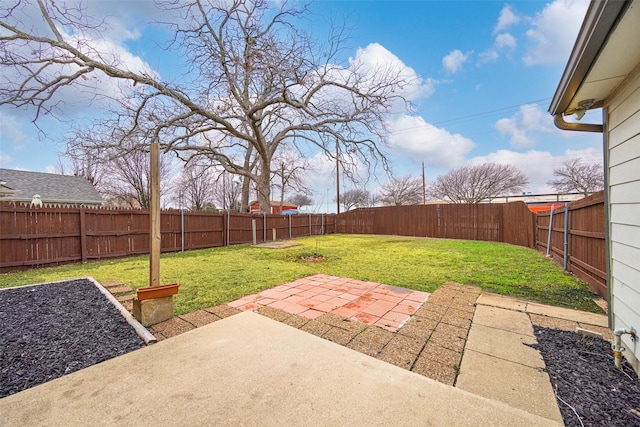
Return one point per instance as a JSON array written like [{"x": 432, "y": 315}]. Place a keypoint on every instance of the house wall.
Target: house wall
[{"x": 622, "y": 151}]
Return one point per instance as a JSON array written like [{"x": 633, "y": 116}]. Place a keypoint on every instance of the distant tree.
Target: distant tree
[
  {"x": 370, "y": 201},
  {"x": 78, "y": 165},
  {"x": 473, "y": 184},
  {"x": 290, "y": 174},
  {"x": 227, "y": 192},
  {"x": 120, "y": 174},
  {"x": 401, "y": 191},
  {"x": 355, "y": 198},
  {"x": 195, "y": 187},
  {"x": 575, "y": 175},
  {"x": 127, "y": 178},
  {"x": 300, "y": 200}
]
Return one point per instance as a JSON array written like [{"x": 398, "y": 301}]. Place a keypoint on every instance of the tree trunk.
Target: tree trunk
[
  {"x": 264, "y": 192},
  {"x": 281, "y": 187},
  {"x": 246, "y": 182},
  {"x": 264, "y": 186}
]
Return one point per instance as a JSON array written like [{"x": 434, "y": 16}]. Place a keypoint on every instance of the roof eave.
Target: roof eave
[{"x": 600, "y": 19}]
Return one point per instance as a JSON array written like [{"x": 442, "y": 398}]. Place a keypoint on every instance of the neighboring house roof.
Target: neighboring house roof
[
  {"x": 52, "y": 188},
  {"x": 601, "y": 59}
]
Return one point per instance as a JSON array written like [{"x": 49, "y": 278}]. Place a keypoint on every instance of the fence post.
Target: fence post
[
  {"x": 290, "y": 226},
  {"x": 228, "y": 226},
  {"x": 83, "y": 236},
  {"x": 253, "y": 231},
  {"x": 264, "y": 227},
  {"x": 182, "y": 228},
  {"x": 550, "y": 229},
  {"x": 566, "y": 236},
  {"x": 322, "y": 226},
  {"x": 310, "y": 234}
]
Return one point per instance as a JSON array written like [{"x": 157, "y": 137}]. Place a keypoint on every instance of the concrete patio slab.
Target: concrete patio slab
[
  {"x": 515, "y": 384},
  {"x": 506, "y": 320},
  {"x": 568, "y": 314},
  {"x": 251, "y": 370},
  {"x": 504, "y": 345},
  {"x": 502, "y": 302}
]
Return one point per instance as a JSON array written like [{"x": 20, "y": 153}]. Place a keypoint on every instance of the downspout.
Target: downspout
[
  {"x": 607, "y": 228},
  {"x": 558, "y": 120}
]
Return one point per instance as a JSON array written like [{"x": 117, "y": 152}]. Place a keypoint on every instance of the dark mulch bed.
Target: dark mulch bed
[
  {"x": 590, "y": 390},
  {"x": 50, "y": 330}
]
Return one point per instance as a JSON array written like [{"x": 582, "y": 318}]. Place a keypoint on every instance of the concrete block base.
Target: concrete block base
[{"x": 152, "y": 311}]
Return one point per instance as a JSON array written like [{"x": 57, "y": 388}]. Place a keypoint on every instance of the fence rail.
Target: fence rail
[
  {"x": 49, "y": 236},
  {"x": 574, "y": 236}
]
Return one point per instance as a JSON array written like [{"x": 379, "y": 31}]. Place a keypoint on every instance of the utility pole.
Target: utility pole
[{"x": 337, "y": 176}]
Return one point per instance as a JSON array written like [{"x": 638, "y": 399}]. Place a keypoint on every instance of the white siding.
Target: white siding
[{"x": 623, "y": 149}]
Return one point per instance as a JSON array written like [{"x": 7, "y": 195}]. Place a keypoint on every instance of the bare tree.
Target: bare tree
[
  {"x": 301, "y": 200},
  {"x": 78, "y": 165},
  {"x": 195, "y": 187},
  {"x": 123, "y": 171},
  {"x": 227, "y": 192},
  {"x": 473, "y": 184},
  {"x": 355, "y": 198},
  {"x": 290, "y": 174},
  {"x": 402, "y": 191},
  {"x": 575, "y": 175},
  {"x": 127, "y": 179},
  {"x": 256, "y": 80}
]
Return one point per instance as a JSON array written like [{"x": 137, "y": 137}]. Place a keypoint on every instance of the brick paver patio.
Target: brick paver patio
[{"x": 367, "y": 302}]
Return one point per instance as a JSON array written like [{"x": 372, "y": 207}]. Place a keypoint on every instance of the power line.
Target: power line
[
  {"x": 476, "y": 116},
  {"x": 490, "y": 112}
]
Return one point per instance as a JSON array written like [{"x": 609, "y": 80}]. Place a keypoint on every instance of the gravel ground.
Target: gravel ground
[
  {"x": 590, "y": 390},
  {"x": 50, "y": 330}
]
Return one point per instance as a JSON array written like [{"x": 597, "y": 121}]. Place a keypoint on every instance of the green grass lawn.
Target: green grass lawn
[{"x": 212, "y": 276}]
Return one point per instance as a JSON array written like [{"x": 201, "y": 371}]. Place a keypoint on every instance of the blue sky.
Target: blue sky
[{"x": 487, "y": 72}]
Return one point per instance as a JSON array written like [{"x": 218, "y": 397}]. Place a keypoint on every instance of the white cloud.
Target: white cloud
[
  {"x": 488, "y": 56},
  {"x": 538, "y": 166},
  {"x": 377, "y": 60},
  {"x": 554, "y": 31},
  {"x": 506, "y": 19},
  {"x": 505, "y": 40},
  {"x": 454, "y": 61},
  {"x": 415, "y": 138},
  {"x": 521, "y": 126}
]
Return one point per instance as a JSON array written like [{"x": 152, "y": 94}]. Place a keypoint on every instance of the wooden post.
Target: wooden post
[
  {"x": 154, "y": 215},
  {"x": 83, "y": 236},
  {"x": 254, "y": 232}
]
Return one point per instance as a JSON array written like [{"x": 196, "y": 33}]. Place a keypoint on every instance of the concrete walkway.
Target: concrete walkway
[
  {"x": 251, "y": 370},
  {"x": 498, "y": 362}
]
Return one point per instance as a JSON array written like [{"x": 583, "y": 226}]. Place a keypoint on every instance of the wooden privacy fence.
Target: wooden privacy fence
[
  {"x": 45, "y": 236},
  {"x": 509, "y": 222},
  {"x": 577, "y": 239}
]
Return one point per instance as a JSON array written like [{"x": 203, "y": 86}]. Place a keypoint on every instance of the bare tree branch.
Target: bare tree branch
[
  {"x": 255, "y": 81},
  {"x": 575, "y": 175},
  {"x": 474, "y": 184},
  {"x": 402, "y": 191}
]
